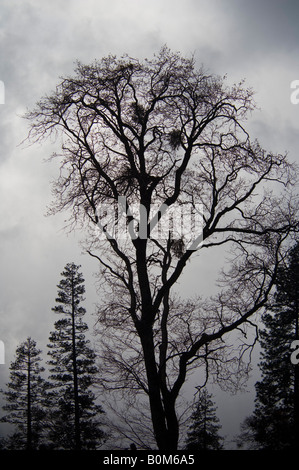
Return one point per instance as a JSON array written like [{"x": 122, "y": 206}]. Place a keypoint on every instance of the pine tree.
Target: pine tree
[
  {"x": 24, "y": 396},
  {"x": 203, "y": 432},
  {"x": 274, "y": 423},
  {"x": 74, "y": 414},
  {"x": 288, "y": 302}
]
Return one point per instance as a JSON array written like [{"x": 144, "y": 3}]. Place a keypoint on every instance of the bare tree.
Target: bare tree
[{"x": 151, "y": 139}]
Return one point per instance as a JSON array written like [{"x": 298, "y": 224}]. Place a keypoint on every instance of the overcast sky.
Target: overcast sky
[{"x": 256, "y": 40}]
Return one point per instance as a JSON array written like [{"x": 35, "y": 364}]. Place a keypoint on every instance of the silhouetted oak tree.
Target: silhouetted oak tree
[
  {"x": 24, "y": 398},
  {"x": 150, "y": 137},
  {"x": 73, "y": 414}
]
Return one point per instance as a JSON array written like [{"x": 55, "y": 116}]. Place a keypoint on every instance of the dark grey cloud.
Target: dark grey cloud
[{"x": 265, "y": 25}]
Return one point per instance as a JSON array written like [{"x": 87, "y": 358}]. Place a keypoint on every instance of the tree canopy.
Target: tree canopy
[
  {"x": 274, "y": 425},
  {"x": 25, "y": 398},
  {"x": 204, "y": 428},
  {"x": 74, "y": 421}
]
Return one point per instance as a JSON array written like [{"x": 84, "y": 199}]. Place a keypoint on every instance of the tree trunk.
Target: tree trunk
[
  {"x": 163, "y": 414},
  {"x": 172, "y": 424},
  {"x": 162, "y": 411},
  {"x": 29, "y": 418},
  {"x": 76, "y": 393}
]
